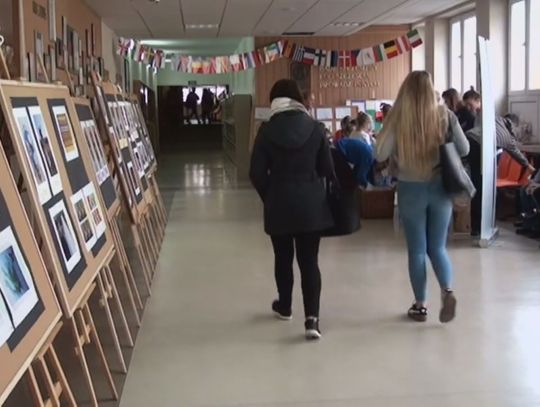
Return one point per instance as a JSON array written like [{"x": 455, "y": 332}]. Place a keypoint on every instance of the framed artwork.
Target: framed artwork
[
  {"x": 32, "y": 152},
  {"x": 96, "y": 215},
  {"x": 45, "y": 148},
  {"x": 83, "y": 219},
  {"x": 31, "y": 67},
  {"x": 93, "y": 40},
  {"x": 65, "y": 235},
  {"x": 52, "y": 20},
  {"x": 16, "y": 284},
  {"x": 63, "y": 126},
  {"x": 6, "y": 327}
]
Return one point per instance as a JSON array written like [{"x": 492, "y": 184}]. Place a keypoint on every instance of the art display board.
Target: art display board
[
  {"x": 29, "y": 310},
  {"x": 145, "y": 134},
  {"x": 331, "y": 116},
  {"x": 42, "y": 122},
  {"x": 119, "y": 140},
  {"x": 94, "y": 154}
]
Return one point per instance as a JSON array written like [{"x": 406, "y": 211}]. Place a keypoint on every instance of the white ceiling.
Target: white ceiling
[{"x": 236, "y": 18}]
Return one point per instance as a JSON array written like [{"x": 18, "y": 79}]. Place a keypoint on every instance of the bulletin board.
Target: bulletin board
[
  {"x": 45, "y": 133},
  {"x": 28, "y": 307},
  {"x": 94, "y": 154},
  {"x": 118, "y": 138}
]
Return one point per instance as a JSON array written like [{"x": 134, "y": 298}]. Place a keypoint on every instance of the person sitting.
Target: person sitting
[
  {"x": 359, "y": 154},
  {"x": 453, "y": 102},
  {"x": 346, "y": 129},
  {"x": 529, "y": 198},
  {"x": 364, "y": 129}
]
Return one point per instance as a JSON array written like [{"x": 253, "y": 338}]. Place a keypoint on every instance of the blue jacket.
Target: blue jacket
[{"x": 360, "y": 155}]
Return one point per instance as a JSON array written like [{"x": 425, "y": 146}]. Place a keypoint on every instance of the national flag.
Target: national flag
[
  {"x": 367, "y": 56},
  {"x": 124, "y": 46},
  {"x": 186, "y": 64},
  {"x": 298, "y": 54},
  {"x": 175, "y": 62},
  {"x": 289, "y": 49},
  {"x": 378, "y": 52},
  {"x": 197, "y": 65},
  {"x": 332, "y": 59},
  {"x": 344, "y": 59},
  {"x": 236, "y": 65},
  {"x": 148, "y": 57},
  {"x": 272, "y": 52},
  {"x": 143, "y": 49},
  {"x": 320, "y": 57},
  {"x": 391, "y": 49},
  {"x": 403, "y": 44},
  {"x": 414, "y": 38},
  {"x": 309, "y": 56},
  {"x": 206, "y": 65},
  {"x": 281, "y": 46},
  {"x": 259, "y": 56},
  {"x": 354, "y": 57},
  {"x": 249, "y": 61},
  {"x": 225, "y": 64}
]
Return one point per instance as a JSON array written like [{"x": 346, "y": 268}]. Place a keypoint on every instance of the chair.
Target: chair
[{"x": 511, "y": 174}]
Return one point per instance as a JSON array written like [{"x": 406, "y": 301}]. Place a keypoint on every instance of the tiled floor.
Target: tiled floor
[{"x": 208, "y": 338}]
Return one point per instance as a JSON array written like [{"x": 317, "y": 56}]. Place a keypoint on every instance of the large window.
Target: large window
[
  {"x": 524, "y": 45},
  {"x": 463, "y": 66}
]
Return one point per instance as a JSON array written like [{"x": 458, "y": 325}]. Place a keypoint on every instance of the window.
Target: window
[
  {"x": 463, "y": 61},
  {"x": 524, "y": 72}
]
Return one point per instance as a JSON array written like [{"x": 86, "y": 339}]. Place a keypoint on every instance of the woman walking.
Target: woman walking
[
  {"x": 415, "y": 128},
  {"x": 290, "y": 157}
]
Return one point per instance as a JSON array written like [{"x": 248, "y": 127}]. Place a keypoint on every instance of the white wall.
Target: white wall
[
  {"x": 113, "y": 63},
  {"x": 436, "y": 51},
  {"x": 419, "y": 53}
]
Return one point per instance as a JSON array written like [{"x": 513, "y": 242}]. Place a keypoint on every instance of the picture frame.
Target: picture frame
[
  {"x": 60, "y": 55},
  {"x": 93, "y": 39}
]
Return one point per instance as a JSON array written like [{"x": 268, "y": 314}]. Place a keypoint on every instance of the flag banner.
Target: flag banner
[
  {"x": 414, "y": 38},
  {"x": 156, "y": 58}
]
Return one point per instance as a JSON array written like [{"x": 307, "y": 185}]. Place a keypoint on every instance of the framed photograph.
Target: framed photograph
[
  {"x": 93, "y": 39},
  {"x": 33, "y": 155},
  {"x": 65, "y": 236},
  {"x": 96, "y": 214},
  {"x": 83, "y": 220},
  {"x": 44, "y": 145},
  {"x": 16, "y": 284},
  {"x": 97, "y": 154},
  {"x": 70, "y": 46},
  {"x": 63, "y": 125},
  {"x": 52, "y": 20},
  {"x": 6, "y": 327}
]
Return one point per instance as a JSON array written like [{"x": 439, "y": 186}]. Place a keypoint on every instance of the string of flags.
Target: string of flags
[{"x": 158, "y": 59}]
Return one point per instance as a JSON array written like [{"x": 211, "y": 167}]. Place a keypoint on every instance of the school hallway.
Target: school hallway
[{"x": 209, "y": 339}]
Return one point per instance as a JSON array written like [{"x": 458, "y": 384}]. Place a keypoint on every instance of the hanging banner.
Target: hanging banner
[{"x": 157, "y": 58}]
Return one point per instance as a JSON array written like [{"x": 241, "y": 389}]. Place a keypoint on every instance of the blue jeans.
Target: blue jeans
[{"x": 425, "y": 210}]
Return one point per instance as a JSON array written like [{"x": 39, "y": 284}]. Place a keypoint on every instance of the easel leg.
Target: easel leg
[
  {"x": 105, "y": 295},
  {"x": 151, "y": 241},
  {"x": 67, "y": 393},
  {"x": 143, "y": 257},
  {"x": 97, "y": 342},
  {"x": 34, "y": 387},
  {"x": 127, "y": 271},
  {"x": 51, "y": 388},
  {"x": 80, "y": 340},
  {"x": 107, "y": 275}
]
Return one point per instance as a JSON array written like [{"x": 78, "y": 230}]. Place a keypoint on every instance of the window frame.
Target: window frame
[
  {"x": 527, "y": 90},
  {"x": 460, "y": 18}
]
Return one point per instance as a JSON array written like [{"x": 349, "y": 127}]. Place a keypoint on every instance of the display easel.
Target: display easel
[
  {"x": 92, "y": 267},
  {"x": 112, "y": 204},
  {"x": 134, "y": 189}
]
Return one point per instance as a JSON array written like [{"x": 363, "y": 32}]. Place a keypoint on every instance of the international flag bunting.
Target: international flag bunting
[
  {"x": 320, "y": 57},
  {"x": 403, "y": 44},
  {"x": 156, "y": 58},
  {"x": 378, "y": 52},
  {"x": 414, "y": 38},
  {"x": 298, "y": 55},
  {"x": 309, "y": 56},
  {"x": 390, "y": 49},
  {"x": 332, "y": 59}
]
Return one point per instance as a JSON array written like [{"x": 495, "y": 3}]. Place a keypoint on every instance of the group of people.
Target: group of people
[
  {"x": 292, "y": 156},
  {"x": 208, "y": 105},
  {"x": 468, "y": 112}
]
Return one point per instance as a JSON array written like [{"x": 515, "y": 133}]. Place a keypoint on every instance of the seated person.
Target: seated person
[
  {"x": 364, "y": 129},
  {"x": 346, "y": 129},
  {"x": 360, "y": 155},
  {"x": 529, "y": 198}
]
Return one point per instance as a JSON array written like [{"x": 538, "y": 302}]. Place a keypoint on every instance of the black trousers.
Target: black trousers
[{"x": 307, "y": 255}]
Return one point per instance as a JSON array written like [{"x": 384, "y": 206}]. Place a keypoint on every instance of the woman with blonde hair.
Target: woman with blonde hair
[{"x": 412, "y": 134}]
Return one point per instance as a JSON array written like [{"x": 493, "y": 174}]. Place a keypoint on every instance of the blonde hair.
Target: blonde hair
[{"x": 419, "y": 124}]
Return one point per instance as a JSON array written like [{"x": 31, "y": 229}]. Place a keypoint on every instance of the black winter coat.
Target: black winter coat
[{"x": 290, "y": 157}]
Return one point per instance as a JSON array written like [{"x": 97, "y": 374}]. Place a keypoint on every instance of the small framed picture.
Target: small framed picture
[{"x": 52, "y": 20}]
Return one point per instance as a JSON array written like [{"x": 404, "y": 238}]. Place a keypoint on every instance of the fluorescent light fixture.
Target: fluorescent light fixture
[
  {"x": 201, "y": 26},
  {"x": 346, "y": 24}
]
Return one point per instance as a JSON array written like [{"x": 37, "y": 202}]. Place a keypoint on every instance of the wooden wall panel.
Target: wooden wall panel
[{"x": 389, "y": 74}]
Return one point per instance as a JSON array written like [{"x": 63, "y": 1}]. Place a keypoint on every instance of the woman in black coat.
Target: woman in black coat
[{"x": 291, "y": 156}]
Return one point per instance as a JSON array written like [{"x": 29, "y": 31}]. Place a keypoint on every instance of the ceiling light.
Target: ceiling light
[
  {"x": 346, "y": 24},
  {"x": 201, "y": 26}
]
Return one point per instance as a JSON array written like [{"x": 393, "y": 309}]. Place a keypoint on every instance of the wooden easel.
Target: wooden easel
[
  {"x": 45, "y": 363},
  {"x": 85, "y": 333}
]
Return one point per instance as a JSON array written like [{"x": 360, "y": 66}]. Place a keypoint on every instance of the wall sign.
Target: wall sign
[{"x": 350, "y": 77}]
